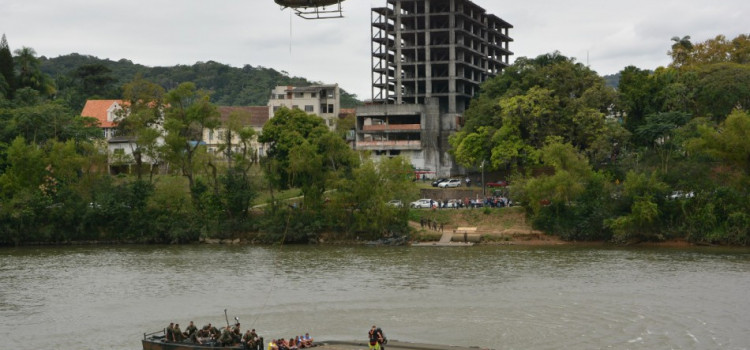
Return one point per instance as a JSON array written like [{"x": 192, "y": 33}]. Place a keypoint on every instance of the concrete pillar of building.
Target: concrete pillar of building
[
  {"x": 427, "y": 51},
  {"x": 399, "y": 55},
  {"x": 452, "y": 59}
]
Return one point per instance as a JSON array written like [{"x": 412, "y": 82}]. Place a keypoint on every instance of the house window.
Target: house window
[
  {"x": 309, "y": 108},
  {"x": 275, "y": 108},
  {"x": 210, "y": 135},
  {"x": 299, "y": 95},
  {"x": 280, "y": 97},
  {"x": 330, "y": 108},
  {"x": 295, "y": 107},
  {"x": 119, "y": 151},
  {"x": 313, "y": 95}
]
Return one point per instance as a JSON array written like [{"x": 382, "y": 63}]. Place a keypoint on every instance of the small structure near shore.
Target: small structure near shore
[{"x": 460, "y": 237}]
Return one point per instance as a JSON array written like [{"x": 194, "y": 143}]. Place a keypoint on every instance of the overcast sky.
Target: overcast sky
[{"x": 609, "y": 35}]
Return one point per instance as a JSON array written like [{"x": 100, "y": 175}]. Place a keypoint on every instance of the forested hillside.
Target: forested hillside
[{"x": 230, "y": 86}]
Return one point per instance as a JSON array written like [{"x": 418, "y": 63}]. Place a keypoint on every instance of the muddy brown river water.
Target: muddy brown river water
[{"x": 509, "y": 297}]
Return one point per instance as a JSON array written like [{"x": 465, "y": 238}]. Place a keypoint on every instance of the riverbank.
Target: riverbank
[
  {"x": 502, "y": 226},
  {"x": 490, "y": 226},
  {"x": 499, "y": 226}
]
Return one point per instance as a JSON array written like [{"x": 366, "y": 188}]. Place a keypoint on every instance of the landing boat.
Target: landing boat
[{"x": 158, "y": 341}]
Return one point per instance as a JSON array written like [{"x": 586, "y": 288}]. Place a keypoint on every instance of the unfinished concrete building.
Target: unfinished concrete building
[{"x": 429, "y": 58}]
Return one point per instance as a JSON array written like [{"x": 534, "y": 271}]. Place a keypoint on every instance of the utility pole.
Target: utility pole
[{"x": 484, "y": 194}]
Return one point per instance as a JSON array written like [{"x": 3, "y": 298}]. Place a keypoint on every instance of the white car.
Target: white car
[
  {"x": 450, "y": 183},
  {"x": 422, "y": 203},
  {"x": 395, "y": 203}
]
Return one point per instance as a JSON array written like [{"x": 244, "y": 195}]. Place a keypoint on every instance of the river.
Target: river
[{"x": 499, "y": 297}]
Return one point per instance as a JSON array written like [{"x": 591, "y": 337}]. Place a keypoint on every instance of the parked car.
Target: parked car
[
  {"x": 422, "y": 203},
  {"x": 438, "y": 181},
  {"x": 476, "y": 203},
  {"x": 498, "y": 183},
  {"x": 395, "y": 203},
  {"x": 681, "y": 195},
  {"x": 450, "y": 183}
]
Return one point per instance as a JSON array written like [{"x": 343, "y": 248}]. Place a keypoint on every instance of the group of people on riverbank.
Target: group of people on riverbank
[
  {"x": 490, "y": 201},
  {"x": 294, "y": 343},
  {"x": 209, "y": 334}
]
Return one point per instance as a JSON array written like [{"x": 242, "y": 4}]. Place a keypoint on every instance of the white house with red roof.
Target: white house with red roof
[
  {"x": 119, "y": 148},
  {"x": 105, "y": 111}
]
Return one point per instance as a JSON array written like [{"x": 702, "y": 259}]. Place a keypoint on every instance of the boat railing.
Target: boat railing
[{"x": 163, "y": 332}]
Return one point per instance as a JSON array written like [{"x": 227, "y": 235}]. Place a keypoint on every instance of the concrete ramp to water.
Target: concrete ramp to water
[{"x": 446, "y": 237}]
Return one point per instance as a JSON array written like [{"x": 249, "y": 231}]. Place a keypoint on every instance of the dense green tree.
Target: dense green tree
[
  {"x": 7, "y": 70},
  {"x": 645, "y": 196},
  {"x": 30, "y": 74},
  {"x": 95, "y": 80},
  {"x": 140, "y": 120},
  {"x": 287, "y": 129},
  {"x": 658, "y": 132},
  {"x": 636, "y": 96},
  {"x": 680, "y": 50},
  {"x": 727, "y": 143},
  {"x": 573, "y": 202},
  {"x": 358, "y": 204},
  {"x": 721, "y": 88},
  {"x": 188, "y": 114},
  {"x": 718, "y": 50},
  {"x": 549, "y": 96}
]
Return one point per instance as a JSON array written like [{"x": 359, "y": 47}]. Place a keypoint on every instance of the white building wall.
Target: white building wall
[{"x": 321, "y": 100}]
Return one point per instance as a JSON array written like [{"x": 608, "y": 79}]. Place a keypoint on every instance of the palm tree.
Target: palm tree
[
  {"x": 29, "y": 72},
  {"x": 681, "y": 50}
]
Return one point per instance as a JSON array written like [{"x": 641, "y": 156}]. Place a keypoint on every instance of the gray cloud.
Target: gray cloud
[{"x": 613, "y": 34}]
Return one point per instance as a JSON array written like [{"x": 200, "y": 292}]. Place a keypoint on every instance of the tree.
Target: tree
[
  {"x": 636, "y": 96},
  {"x": 358, "y": 204},
  {"x": 573, "y": 202},
  {"x": 7, "y": 69},
  {"x": 645, "y": 196},
  {"x": 140, "y": 119},
  {"x": 727, "y": 143},
  {"x": 719, "y": 50},
  {"x": 721, "y": 88},
  {"x": 680, "y": 50},
  {"x": 188, "y": 114},
  {"x": 30, "y": 74},
  {"x": 287, "y": 129},
  {"x": 658, "y": 132},
  {"x": 95, "y": 80},
  {"x": 532, "y": 100}
]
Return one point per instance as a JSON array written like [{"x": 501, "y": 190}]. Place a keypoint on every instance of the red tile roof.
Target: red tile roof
[
  {"x": 255, "y": 116},
  {"x": 98, "y": 109}
]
